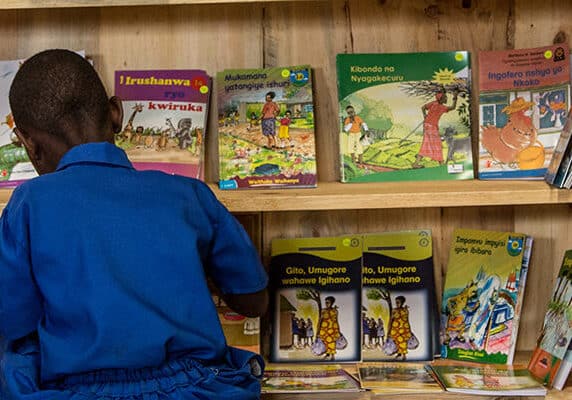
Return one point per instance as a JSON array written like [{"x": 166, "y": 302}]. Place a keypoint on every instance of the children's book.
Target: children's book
[
  {"x": 488, "y": 380},
  {"x": 15, "y": 166},
  {"x": 399, "y": 310},
  {"x": 560, "y": 164},
  {"x": 405, "y": 116},
  {"x": 165, "y": 116},
  {"x": 239, "y": 331},
  {"x": 524, "y": 97},
  {"x": 556, "y": 335},
  {"x": 266, "y": 128},
  {"x": 315, "y": 299},
  {"x": 307, "y": 379},
  {"x": 397, "y": 377},
  {"x": 563, "y": 372},
  {"x": 481, "y": 297}
]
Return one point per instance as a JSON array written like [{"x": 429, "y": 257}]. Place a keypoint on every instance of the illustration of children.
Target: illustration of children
[
  {"x": 253, "y": 121},
  {"x": 270, "y": 111},
  {"x": 353, "y": 125},
  {"x": 283, "y": 132},
  {"x": 431, "y": 146}
]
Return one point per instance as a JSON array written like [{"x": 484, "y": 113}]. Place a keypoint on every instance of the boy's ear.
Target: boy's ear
[
  {"x": 29, "y": 144},
  {"x": 116, "y": 109}
]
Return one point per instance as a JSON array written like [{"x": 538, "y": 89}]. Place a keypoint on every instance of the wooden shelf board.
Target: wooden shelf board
[
  {"x": 340, "y": 196},
  {"x": 36, "y": 4}
]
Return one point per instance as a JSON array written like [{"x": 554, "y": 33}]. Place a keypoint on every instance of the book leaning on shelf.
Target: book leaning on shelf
[
  {"x": 524, "y": 97},
  {"x": 404, "y": 116},
  {"x": 266, "y": 128},
  {"x": 483, "y": 294},
  {"x": 165, "y": 118},
  {"x": 560, "y": 165},
  {"x": 548, "y": 359},
  {"x": 399, "y": 309},
  {"x": 315, "y": 301}
]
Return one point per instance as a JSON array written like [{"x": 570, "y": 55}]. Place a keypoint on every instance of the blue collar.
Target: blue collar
[{"x": 100, "y": 153}]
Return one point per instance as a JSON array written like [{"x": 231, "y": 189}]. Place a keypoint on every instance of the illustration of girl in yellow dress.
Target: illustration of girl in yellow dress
[{"x": 400, "y": 329}]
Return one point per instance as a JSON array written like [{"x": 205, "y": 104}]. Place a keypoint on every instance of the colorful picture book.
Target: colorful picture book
[
  {"x": 559, "y": 381},
  {"x": 488, "y": 379},
  {"x": 404, "y": 116},
  {"x": 481, "y": 296},
  {"x": 266, "y": 128},
  {"x": 524, "y": 97},
  {"x": 15, "y": 166},
  {"x": 315, "y": 286},
  {"x": 397, "y": 377},
  {"x": 556, "y": 335},
  {"x": 560, "y": 166},
  {"x": 165, "y": 116},
  {"x": 307, "y": 378},
  {"x": 399, "y": 309}
]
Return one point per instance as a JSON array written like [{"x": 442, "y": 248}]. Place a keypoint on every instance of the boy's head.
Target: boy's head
[{"x": 58, "y": 101}]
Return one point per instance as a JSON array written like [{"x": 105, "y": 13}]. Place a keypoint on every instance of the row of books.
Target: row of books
[
  {"x": 402, "y": 116},
  {"x": 372, "y": 298},
  {"x": 403, "y": 378}
]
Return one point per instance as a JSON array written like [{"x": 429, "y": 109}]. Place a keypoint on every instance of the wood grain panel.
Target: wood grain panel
[{"x": 542, "y": 23}]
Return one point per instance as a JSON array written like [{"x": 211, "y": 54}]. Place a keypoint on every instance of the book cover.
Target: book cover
[
  {"x": 404, "y": 116},
  {"x": 165, "y": 116},
  {"x": 397, "y": 377},
  {"x": 15, "y": 166},
  {"x": 266, "y": 128},
  {"x": 315, "y": 286},
  {"x": 488, "y": 380},
  {"x": 480, "y": 295},
  {"x": 399, "y": 309},
  {"x": 556, "y": 334},
  {"x": 563, "y": 372},
  {"x": 524, "y": 96},
  {"x": 239, "y": 331},
  {"x": 561, "y": 160},
  {"x": 307, "y": 379}
]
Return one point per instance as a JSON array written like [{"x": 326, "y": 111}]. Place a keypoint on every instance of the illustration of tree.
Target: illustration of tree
[
  {"x": 379, "y": 294},
  {"x": 427, "y": 90}
]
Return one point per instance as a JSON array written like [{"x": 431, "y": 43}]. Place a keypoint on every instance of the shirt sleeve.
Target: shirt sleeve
[
  {"x": 20, "y": 299},
  {"x": 233, "y": 262}
]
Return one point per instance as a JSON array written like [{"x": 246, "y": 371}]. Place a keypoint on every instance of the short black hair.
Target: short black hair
[
  {"x": 271, "y": 94},
  {"x": 57, "y": 89},
  {"x": 331, "y": 299},
  {"x": 401, "y": 299}
]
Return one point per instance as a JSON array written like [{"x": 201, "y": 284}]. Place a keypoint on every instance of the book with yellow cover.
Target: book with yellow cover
[
  {"x": 482, "y": 291},
  {"x": 307, "y": 378}
]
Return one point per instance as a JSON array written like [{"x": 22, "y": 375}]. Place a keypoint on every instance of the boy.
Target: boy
[{"x": 103, "y": 268}]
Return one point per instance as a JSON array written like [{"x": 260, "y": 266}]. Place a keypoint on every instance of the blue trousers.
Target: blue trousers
[{"x": 237, "y": 378}]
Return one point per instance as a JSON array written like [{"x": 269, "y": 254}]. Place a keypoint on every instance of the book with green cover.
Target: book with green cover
[
  {"x": 315, "y": 298},
  {"x": 266, "y": 128},
  {"x": 399, "y": 310},
  {"x": 479, "y": 311},
  {"x": 556, "y": 335},
  {"x": 404, "y": 116}
]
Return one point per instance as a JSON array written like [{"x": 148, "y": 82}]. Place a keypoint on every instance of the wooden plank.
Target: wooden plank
[
  {"x": 40, "y": 4},
  {"x": 541, "y": 24}
]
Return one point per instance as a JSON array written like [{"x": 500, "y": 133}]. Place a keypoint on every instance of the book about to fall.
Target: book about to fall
[
  {"x": 399, "y": 311},
  {"x": 404, "y": 116},
  {"x": 165, "y": 115},
  {"x": 480, "y": 307},
  {"x": 266, "y": 128},
  {"x": 524, "y": 97},
  {"x": 315, "y": 299}
]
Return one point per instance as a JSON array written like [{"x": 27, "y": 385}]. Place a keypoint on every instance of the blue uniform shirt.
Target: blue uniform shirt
[{"x": 108, "y": 264}]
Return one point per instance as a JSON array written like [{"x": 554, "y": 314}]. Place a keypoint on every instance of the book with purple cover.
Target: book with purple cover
[{"x": 165, "y": 116}]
